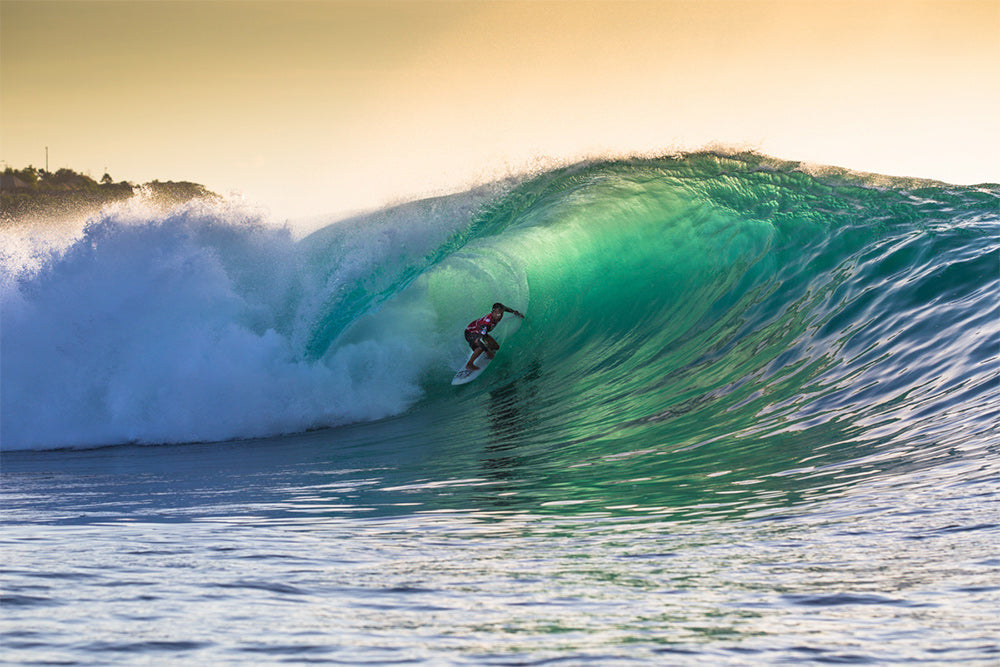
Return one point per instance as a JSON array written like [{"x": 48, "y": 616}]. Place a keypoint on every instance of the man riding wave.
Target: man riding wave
[{"x": 477, "y": 334}]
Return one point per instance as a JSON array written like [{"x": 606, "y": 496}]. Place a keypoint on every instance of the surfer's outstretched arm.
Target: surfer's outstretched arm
[{"x": 511, "y": 310}]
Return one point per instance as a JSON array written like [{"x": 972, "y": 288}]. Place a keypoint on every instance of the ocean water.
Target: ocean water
[{"x": 751, "y": 417}]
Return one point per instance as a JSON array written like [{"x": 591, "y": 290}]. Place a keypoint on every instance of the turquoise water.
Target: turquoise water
[{"x": 751, "y": 417}]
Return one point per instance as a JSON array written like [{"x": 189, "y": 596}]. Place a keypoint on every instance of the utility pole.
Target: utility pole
[{"x": 46, "y": 159}]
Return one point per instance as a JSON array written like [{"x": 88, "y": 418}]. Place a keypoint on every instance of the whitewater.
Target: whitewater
[{"x": 751, "y": 417}]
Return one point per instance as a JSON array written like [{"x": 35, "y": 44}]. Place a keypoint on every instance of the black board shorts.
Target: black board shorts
[{"x": 475, "y": 340}]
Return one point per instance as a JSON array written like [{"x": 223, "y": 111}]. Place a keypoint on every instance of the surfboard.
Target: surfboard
[{"x": 464, "y": 375}]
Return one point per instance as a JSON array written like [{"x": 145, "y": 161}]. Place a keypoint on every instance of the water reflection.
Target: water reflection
[{"x": 385, "y": 469}]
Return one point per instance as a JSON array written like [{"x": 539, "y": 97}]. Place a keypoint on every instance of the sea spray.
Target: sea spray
[{"x": 181, "y": 328}]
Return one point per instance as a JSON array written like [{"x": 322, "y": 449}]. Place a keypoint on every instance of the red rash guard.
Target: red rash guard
[{"x": 483, "y": 325}]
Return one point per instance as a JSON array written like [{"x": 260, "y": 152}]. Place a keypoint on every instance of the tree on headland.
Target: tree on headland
[
  {"x": 31, "y": 192},
  {"x": 28, "y": 175}
]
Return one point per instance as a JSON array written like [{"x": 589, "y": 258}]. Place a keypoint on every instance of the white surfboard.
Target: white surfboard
[{"x": 464, "y": 375}]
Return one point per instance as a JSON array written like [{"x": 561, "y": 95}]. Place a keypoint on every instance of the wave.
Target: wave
[{"x": 672, "y": 303}]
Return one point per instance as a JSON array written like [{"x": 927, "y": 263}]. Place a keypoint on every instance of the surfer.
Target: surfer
[{"x": 477, "y": 333}]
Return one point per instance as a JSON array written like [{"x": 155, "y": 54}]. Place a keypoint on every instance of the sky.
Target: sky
[{"x": 313, "y": 108}]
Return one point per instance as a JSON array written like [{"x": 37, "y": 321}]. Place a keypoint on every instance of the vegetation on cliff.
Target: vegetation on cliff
[{"x": 30, "y": 193}]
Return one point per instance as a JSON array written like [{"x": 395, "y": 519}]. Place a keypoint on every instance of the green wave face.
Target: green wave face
[{"x": 718, "y": 324}]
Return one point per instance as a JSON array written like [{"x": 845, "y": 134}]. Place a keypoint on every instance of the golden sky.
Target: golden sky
[{"x": 325, "y": 107}]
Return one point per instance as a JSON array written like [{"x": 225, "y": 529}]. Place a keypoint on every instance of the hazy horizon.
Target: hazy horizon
[{"x": 326, "y": 107}]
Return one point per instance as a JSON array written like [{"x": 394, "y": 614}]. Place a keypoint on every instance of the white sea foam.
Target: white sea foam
[{"x": 182, "y": 327}]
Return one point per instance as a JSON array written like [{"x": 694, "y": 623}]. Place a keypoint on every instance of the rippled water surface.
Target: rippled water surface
[{"x": 174, "y": 554}]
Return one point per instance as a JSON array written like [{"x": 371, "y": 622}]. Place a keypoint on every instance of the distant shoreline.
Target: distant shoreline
[{"x": 32, "y": 193}]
